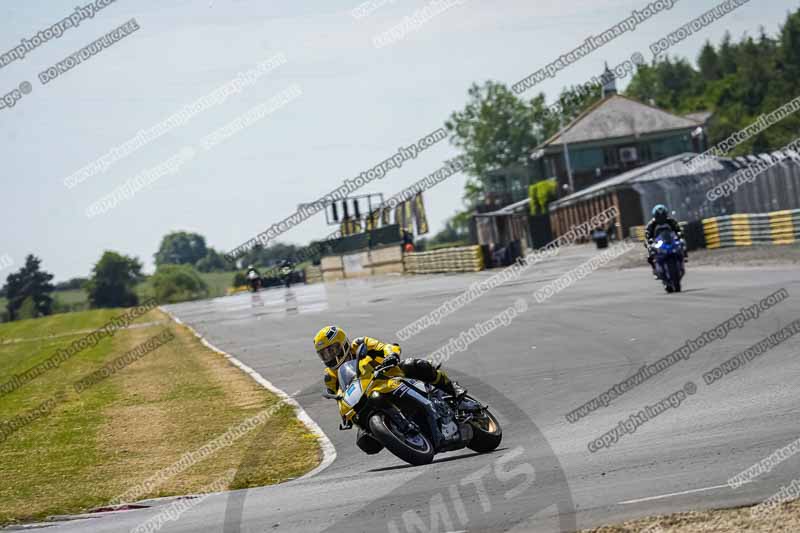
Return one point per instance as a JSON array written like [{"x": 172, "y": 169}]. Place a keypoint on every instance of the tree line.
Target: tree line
[
  {"x": 734, "y": 80},
  {"x": 117, "y": 280}
]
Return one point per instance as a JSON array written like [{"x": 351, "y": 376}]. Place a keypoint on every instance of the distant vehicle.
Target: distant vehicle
[
  {"x": 668, "y": 251},
  {"x": 286, "y": 271},
  {"x": 253, "y": 280},
  {"x": 283, "y": 274}
]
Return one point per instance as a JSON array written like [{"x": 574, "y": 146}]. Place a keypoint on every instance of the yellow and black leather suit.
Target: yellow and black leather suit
[{"x": 377, "y": 351}]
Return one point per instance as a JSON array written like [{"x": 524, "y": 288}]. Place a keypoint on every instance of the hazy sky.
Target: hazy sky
[{"x": 358, "y": 104}]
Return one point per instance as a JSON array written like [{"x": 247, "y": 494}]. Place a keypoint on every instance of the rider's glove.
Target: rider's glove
[{"x": 390, "y": 360}]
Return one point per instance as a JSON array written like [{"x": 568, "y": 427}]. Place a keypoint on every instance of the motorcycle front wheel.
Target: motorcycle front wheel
[
  {"x": 416, "y": 450},
  {"x": 674, "y": 276},
  {"x": 486, "y": 433}
]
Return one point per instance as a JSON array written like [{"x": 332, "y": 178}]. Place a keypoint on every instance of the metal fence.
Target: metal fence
[
  {"x": 775, "y": 189},
  {"x": 363, "y": 241}
]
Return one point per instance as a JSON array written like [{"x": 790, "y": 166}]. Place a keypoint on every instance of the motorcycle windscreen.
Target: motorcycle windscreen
[
  {"x": 665, "y": 238},
  {"x": 348, "y": 373}
]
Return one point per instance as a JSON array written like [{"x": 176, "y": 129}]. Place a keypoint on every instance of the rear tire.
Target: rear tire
[
  {"x": 420, "y": 454},
  {"x": 487, "y": 437}
]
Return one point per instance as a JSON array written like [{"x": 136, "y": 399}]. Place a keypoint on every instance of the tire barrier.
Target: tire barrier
[
  {"x": 777, "y": 227},
  {"x": 313, "y": 274},
  {"x": 637, "y": 233},
  {"x": 374, "y": 262},
  {"x": 692, "y": 232},
  {"x": 457, "y": 259}
]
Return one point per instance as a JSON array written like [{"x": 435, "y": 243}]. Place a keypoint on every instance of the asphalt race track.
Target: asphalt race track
[{"x": 548, "y": 361}]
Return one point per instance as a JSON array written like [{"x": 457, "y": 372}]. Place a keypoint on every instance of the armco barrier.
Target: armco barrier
[
  {"x": 459, "y": 259},
  {"x": 778, "y": 227}
]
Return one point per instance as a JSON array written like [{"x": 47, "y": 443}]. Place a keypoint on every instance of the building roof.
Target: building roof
[
  {"x": 619, "y": 116},
  {"x": 699, "y": 116},
  {"x": 510, "y": 209},
  {"x": 671, "y": 167}
]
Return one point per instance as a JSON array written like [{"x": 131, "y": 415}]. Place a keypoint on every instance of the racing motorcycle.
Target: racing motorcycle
[
  {"x": 286, "y": 275},
  {"x": 411, "y": 419},
  {"x": 668, "y": 251}
]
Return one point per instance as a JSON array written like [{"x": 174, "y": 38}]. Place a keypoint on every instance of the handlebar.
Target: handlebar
[{"x": 382, "y": 368}]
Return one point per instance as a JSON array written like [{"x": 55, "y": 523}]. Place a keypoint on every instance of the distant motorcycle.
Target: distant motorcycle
[
  {"x": 411, "y": 419},
  {"x": 286, "y": 275},
  {"x": 668, "y": 251},
  {"x": 254, "y": 281}
]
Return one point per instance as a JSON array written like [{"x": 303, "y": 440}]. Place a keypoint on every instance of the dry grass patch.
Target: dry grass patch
[
  {"x": 96, "y": 445},
  {"x": 783, "y": 519}
]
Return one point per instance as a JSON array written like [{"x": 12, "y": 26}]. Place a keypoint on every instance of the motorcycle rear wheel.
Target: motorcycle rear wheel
[{"x": 417, "y": 451}]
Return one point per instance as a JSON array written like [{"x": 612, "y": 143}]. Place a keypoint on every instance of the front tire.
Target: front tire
[
  {"x": 418, "y": 451},
  {"x": 674, "y": 276},
  {"x": 486, "y": 435}
]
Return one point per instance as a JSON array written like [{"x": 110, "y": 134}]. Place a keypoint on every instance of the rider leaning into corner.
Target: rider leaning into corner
[
  {"x": 660, "y": 216},
  {"x": 334, "y": 348}
]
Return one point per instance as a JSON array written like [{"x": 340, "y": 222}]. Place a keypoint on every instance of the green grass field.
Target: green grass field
[
  {"x": 71, "y": 297},
  {"x": 87, "y": 448}
]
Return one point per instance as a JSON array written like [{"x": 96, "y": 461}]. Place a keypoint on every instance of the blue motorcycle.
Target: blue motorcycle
[{"x": 669, "y": 251}]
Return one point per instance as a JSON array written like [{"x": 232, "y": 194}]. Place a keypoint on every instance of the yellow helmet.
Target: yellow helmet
[{"x": 332, "y": 346}]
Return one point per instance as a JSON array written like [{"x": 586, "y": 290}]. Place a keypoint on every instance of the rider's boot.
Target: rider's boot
[{"x": 449, "y": 387}]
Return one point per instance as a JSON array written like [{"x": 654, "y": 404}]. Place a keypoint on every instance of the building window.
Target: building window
[
  {"x": 610, "y": 157},
  {"x": 518, "y": 189},
  {"x": 645, "y": 153},
  {"x": 670, "y": 146},
  {"x": 497, "y": 184},
  {"x": 587, "y": 159},
  {"x": 552, "y": 165}
]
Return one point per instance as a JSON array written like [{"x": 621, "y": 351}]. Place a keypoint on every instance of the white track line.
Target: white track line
[
  {"x": 638, "y": 500},
  {"x": 328, "y": 450}
]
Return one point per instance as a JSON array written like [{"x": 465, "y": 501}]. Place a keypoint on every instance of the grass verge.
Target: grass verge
[
  {"x": 784, "y": 518},
  {"x": 93, "y": 446}
]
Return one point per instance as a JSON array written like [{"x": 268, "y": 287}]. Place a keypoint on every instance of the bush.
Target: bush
[
  {"x": 60, "y": 306},
  {"x": 239, "y": 279},
  {"x": 72, "y": 284},
  {"x": 177, "y": 283},
  {"x": 113, "y": 280},
  {"x": 541, "y": 194}
]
